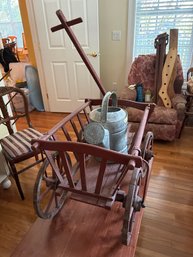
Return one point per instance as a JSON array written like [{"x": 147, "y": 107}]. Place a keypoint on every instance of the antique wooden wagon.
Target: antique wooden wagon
[{"x": 92, "y": 174}]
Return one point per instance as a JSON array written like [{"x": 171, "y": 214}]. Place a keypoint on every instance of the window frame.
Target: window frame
[{"x": 131, "y": 36}]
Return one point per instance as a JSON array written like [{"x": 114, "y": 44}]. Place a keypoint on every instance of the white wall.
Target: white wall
[{"x": 113, "y": 17}]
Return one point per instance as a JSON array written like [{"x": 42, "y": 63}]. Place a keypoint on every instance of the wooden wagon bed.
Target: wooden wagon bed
[{"x": 88, "y": 232}]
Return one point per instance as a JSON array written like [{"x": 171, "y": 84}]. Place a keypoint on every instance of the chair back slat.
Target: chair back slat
[{"x": 10, "y": 111}]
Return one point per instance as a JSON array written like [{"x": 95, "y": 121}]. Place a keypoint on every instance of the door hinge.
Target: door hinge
[{"x": 47, "y": 96}]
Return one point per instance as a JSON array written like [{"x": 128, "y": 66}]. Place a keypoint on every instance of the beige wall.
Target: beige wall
[{"x": 113, "y": 16}]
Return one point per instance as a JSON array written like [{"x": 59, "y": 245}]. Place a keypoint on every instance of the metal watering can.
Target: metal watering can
[{"x": 108, "y": 126}]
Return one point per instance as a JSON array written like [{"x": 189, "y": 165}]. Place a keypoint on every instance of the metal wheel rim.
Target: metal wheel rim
[{"x": 131, "y": 198}]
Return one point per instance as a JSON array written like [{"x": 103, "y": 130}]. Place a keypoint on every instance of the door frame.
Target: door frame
[{"x": 37, "y": 52}]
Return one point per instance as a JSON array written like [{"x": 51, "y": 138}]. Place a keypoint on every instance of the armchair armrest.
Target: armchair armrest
[{"x": 179, "y": 103}]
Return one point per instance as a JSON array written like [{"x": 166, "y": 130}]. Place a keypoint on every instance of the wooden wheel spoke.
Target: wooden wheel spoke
[
  {"x": 134, "y": 203},
  {"x": 58, "y": 196},
  {"x": 49, "y": 180},
  {"x": 56, "y": 200},
  {"x": 49, "y": 197},
  {"x": 50, "y": 201},
  {"x": 42, "y": 195}
]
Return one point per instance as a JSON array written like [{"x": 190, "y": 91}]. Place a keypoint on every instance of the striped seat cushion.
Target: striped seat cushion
[{"x": 19, "y": 143}]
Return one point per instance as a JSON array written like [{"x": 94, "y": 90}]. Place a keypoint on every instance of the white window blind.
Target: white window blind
[
  {"x": 10, "y": 20},
  {"x": 154, "y": 17}
]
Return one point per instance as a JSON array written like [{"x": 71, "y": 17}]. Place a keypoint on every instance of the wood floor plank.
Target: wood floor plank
[{"x": 166, "y": 229}]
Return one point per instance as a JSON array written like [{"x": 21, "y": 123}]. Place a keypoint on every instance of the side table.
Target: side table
[
  {"x": 189, "y": 99},
  {"x": 189, "y": 105},
  {"x": 4, "y": 173},
  {"x": 4, "y": 169}
]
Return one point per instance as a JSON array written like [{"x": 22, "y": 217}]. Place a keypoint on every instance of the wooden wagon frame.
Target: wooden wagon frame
[{"x": 92, "y": 174}]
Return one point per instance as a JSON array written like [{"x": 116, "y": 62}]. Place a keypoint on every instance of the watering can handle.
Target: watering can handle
[{"x": 105, "y": 104}]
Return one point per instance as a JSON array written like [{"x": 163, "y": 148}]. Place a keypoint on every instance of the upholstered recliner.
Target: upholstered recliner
[{"x": 165, "y": 123}]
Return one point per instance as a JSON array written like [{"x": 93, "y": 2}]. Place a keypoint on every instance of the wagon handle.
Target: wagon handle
[
  {"x": 66, "y": 25},
  {"x": 139, "y": 134}
]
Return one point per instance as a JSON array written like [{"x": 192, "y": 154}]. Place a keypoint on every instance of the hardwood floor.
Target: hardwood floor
[{"x": 166, "y": 229}]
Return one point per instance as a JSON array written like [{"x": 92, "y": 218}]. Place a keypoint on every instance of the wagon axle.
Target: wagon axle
[{"x": 138, "y": 203}]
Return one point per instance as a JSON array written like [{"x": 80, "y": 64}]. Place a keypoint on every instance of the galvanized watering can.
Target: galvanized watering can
[{"x": 108, "y": 126}]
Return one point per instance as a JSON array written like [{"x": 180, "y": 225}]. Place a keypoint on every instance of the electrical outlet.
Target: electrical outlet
[{"x": 116, "y": 35}]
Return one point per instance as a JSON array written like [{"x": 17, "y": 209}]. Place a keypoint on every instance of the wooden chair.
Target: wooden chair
[
  {"x": 11, "y": 42},
  {"x": 189, "y": 73},
  {"x": 5, "y": 41},
  {"x": 16, "y": 146}
]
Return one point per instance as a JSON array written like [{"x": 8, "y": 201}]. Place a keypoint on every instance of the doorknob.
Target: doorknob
[{"x": 93, "y": 54}]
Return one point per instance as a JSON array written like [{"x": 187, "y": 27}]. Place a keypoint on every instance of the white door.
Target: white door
[{"x": 67, "y": 80}]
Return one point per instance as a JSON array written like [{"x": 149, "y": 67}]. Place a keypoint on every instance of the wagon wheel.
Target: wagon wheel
[
  {"x": 48, "y": 196},
  {"x": 133, "y": 204},
  {"x": 147, "y": 155},
  {"x": 147, "y": 146}
]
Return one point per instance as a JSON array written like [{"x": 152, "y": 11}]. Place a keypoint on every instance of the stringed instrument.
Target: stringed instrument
[
  {"x": 168, "y": 73},
  {"x": 160, "y": 44}
]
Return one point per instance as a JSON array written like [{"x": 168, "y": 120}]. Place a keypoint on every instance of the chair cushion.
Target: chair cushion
[
  {"x": 161, "y": 115},
  {"x": 19, "y": 143},
  {"x": 160, "y": 131}
]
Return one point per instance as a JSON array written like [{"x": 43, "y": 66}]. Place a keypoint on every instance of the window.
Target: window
[
  {"x": 153, "y": 17},
  {"x": 10, "y": 21}
]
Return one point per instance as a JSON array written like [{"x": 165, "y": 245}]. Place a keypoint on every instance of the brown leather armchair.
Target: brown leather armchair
[{"x": 165, "y": 123}]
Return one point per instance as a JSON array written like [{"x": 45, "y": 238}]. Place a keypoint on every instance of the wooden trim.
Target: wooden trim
[{"x": 130, "y": 36}]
